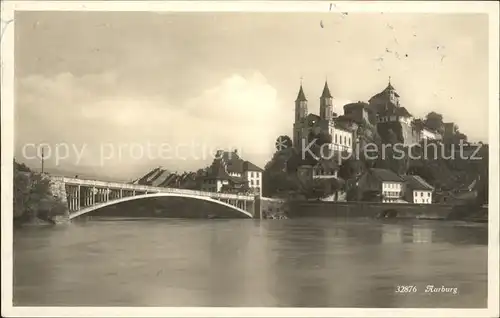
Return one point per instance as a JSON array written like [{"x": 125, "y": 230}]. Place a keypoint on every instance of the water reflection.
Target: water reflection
[
  {"x": 300, "y": 264},
  {"x": 228, "y": 262},
  {"x": 292, "y": 263},
  {"x": 422, "y": 235}
]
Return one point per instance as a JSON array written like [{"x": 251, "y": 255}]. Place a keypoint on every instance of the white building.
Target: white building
[
  {"x": 392, "y": 191},
  {"x": 230, "y": 173},
  {"x": 417, "y": 190},
  {"x": 381, "y": 185},
  {"x": 428, "y": 134}
]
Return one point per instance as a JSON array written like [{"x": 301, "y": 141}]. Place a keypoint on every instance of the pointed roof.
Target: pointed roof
[
  {"x": 301, "y": 97},
  {"x": 385, "y": 93},
  {"x": 326, "y": 91},
  {"x": 390, "y": 88}
]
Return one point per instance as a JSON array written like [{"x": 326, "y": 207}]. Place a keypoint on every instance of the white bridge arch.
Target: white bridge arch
[
  {"x": 84, "y": 196},
  {"x": 97, "y": 206}
]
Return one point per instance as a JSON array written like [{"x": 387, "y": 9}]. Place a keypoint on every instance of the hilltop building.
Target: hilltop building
[
  {"x": 328, "y": 123},
  {"x": 395, "y": 124},
  {"x": 230, "y": 173}
]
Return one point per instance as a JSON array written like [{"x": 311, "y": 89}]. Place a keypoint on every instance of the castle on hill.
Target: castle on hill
[{"x": 394, "y": 123}]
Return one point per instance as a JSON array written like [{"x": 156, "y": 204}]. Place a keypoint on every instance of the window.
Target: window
[
  {"x": 428, "y": 194},
  {"x": 335, "y": 138}
]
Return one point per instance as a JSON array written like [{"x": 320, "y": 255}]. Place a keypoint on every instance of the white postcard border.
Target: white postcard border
[{"x": 7, "y": 99}]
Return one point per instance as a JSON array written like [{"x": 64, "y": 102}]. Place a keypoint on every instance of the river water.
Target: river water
[{"x": 290, "y": 263}]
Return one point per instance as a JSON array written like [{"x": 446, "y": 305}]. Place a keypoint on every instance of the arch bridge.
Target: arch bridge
[{"x": 84, "y": 196}]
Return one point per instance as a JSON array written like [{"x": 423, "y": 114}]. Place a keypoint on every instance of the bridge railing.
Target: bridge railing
[{"x": 128, "y": 186}]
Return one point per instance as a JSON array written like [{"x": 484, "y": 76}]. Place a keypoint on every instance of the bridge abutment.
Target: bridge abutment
[
  {"x": 59, "y": 195},
  {"x": 257, "y": 207}
]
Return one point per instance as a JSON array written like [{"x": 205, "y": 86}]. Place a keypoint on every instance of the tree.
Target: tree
[
  {"x": 283, "y": 142},
  {"x": 20, "y": 167},
  {"x": 458, "y": 136},
  {"x": 29, "y": 191},
  {"x": 33, "y": 196},
  {"x": 434, "y": 121},
  {"x": 277, "y": 172},
  {"x": 320, "y": 138},
  {"x": 320, "y": 188}
]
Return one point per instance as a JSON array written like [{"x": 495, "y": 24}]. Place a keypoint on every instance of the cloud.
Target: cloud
[{"x": 95, "y": 114}]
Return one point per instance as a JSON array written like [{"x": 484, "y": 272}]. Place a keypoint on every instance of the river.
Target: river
[{"x": 243, "y": 262}]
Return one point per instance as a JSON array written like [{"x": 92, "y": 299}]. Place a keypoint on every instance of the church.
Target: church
[
  {"x": 393, "y": 122},
  {"x": 328, "y": 122}
]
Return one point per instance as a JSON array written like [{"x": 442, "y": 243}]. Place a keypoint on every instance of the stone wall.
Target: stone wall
[
  {"x": 378, "y": 210},
  {"x": 273, "y": 208},
  {"x": 58, "y": 191}
]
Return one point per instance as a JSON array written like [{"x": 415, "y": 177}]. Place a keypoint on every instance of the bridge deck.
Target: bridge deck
[{"x": 151, "y": 189}]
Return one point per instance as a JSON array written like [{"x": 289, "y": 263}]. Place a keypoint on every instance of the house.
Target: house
[
  {"x": 230, "y": 173},
  {"x": 417, "y": 190},
  {"x": 381, "y": 185}
]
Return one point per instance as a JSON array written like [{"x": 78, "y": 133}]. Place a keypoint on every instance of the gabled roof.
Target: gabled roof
[
  {"x": 301, "y": 97},
  {"x": 326, "y": 91},
  {"x": 417, "y": 183},
  {"x": 386, "y": 91},
  {"x": 312, "y": 119},
  {"x": 385, "y": 175},
  {"x": 402, "y": 111},
  {"x": 227, "y": 162},
  {"x": 234, "y": 163},
  {"x": 159, "y": 181},
  {"x": 248, "y": 166}
]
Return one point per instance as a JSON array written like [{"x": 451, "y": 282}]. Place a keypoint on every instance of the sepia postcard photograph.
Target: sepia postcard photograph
[{"x": 257, "y": 159}]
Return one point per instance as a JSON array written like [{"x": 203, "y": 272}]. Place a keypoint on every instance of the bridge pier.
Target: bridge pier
[
  {"x": 257, "y": 207},
  {"x": 72, "y": 198},
  {"x": 100, "y": 196}
]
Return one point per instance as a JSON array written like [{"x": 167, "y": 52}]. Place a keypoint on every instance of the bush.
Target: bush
[{"x": 33, "y": 196}]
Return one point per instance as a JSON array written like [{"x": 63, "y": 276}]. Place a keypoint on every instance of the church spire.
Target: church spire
[
  {"x": 389, "y": 85},
  {"x": 301, "y": 97},
  {"x": 326, "y": 91}
]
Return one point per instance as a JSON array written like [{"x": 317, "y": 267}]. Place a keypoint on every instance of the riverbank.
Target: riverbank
[{"x": 352, "y": 209}]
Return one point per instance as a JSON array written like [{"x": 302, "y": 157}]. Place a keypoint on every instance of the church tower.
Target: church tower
[
  {"x": 300, "y": 116},
  {"x": 300, "y": 105},
  {"x": 392, "y": 95},
  {"x": 326, "y": 104}
]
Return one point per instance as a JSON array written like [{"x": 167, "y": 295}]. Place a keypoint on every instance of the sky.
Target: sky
[{"x": 119, "y": 93}]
